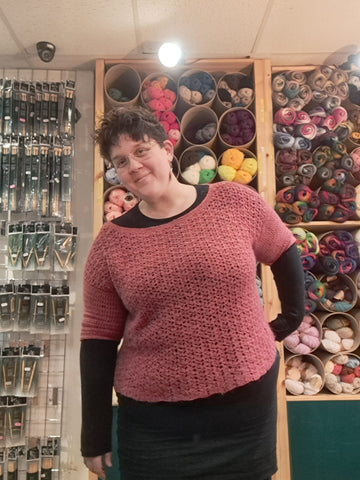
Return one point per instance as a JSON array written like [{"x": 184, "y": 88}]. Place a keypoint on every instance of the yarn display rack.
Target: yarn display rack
[
  {"x": 211, "y": 110},
  {"x": 315, "y": 116}
]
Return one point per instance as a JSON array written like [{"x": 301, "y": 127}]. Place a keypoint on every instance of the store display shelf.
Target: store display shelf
[
  {"x": 323, "y": 225},
  {"x": 321, "y": 397}
]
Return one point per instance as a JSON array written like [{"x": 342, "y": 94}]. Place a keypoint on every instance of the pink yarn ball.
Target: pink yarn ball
[
  {"x": 170, "y": 95},
  {"x": 112, "y": 215},
  {"x": 166, "y": 125},
  {"x": 169, "y": 117},
  {"x": 156, "y": 104},
  {"x": 117, "y": 196},
  {"x": 111, "y": 207},
  {"x": 310, "y": 341},
  {"x": 337, "y": 369},
  {"x": 152, "y": 93}
]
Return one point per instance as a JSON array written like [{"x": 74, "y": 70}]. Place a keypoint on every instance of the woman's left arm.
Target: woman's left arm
[{"x": 289, "y": 278}]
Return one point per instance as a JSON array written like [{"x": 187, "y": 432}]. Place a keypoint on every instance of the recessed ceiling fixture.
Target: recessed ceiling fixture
[{"x": 169, "y": 54}]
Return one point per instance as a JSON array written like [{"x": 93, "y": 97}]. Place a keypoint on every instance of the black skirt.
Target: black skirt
[{"x": 223, "y": 437}]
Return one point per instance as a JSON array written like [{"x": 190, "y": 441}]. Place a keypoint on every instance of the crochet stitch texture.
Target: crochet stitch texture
[{"x": 183, "y": 297}]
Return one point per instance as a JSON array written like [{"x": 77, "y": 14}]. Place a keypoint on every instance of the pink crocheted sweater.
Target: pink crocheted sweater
[{"x": 184, "y": 299}]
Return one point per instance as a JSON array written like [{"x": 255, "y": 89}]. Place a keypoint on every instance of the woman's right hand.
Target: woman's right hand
[{"x": 97, "y": 464}]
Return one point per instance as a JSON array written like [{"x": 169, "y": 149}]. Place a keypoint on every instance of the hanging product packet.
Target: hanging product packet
[
  {"x": 29, "y": 371},
  {"x": 67, "y": 110},
  {"x": 44, "y": 178},
  {"x": 59, "y": 311},
  {"x": 65, "y": 245},
  {"x": 42, "y": 247},
  {"x": 15, "y": 244},
  {"x": 49, "y": 451},
  {"x": 10, "y": 361},
  {"x": 7, "y": 307},
  {"x": 16, "y": 420},
  {"x": 5, "y": 174},
  {"x": 28, "y": 247},
  {"x": 40, "y": 305},
  {"x": 23, "y": 307},
  {"x": 14, "y": 175}
]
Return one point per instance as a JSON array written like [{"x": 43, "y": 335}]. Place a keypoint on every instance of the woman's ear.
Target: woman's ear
[{"x": 169, "y": 147}]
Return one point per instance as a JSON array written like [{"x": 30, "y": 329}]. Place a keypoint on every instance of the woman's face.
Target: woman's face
[{"x": 143, "y": 166}]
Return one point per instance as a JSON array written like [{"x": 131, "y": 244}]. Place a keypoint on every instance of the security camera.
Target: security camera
[{"x": 46, "y": 51}]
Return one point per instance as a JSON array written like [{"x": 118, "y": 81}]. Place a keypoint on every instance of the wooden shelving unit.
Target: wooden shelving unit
[{"x": 262, "y": 72}]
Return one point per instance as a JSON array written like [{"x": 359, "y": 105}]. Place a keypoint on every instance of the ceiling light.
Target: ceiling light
[{"x": 169, "y": 54}]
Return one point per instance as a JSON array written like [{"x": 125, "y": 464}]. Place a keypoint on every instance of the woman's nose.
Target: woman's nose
[{"x": 134, "y": 162}]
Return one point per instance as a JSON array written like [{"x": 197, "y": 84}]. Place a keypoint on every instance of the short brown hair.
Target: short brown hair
[{"x": 134, "y": 121}]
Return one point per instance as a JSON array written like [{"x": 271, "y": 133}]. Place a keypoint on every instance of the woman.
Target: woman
[{"x": 174, "y": 280}]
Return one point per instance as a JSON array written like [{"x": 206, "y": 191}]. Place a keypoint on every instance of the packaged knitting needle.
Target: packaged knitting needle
[
  {"x": 35, "y": 171},
  {"x": 66, "y": 170},
  {"x": 38, "y": 101},
  {"x": 32, "y": 458},
  {"x": 50, "y": 450},
  {"x": 67, "y": 124},
  {"x": 30, "y": 125},
  {"x": 40, "y": 301},
  {"x": 29, "y": 371},
  {"x": 2, "y": 463},
  {"x": 65, "y": 243},
  {"x": 28, "y": 248},
  {"x": 23, "y": 307},
  {"x": 5, "y": 174},
  {"x": 55, "y": 178},
  {"x": 7, "y": 107},
  {"x": 54, "y": 109},
  {"x": 23, "y": 108},
  {"x": 14, "y": 175},
  {"x": 3, "y": 403},
  {"x": 12, "y": 463},
  {"x": 59, "y": 312},
  {"x": 15, "y": 107},
  {"x": 1, "y": 104},
  {"x": 42, "y": 247},
  {"x": 45, "y": 109},
  {"x": 7, "y": 307},
  {"x": 25, "y": 197},
  {"x": 44, "y": 168},
  {"x": 10, "y": 369},
  {"x": 16, "y": 417},
  {"x": 15, "y": 243}
]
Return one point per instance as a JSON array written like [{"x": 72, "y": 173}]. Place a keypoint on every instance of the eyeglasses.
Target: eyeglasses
[{"x": 141, "y": 153}]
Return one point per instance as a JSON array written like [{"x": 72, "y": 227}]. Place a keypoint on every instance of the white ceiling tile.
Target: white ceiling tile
[
  {"x": 205, "y": 28},
  {"x": 7, "y": 44},
  {"x": 322, "y": 26},
  {"x": 76, "y": 27}
]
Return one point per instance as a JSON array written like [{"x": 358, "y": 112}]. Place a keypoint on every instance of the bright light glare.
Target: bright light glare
[{"x": 169, "y": 54}]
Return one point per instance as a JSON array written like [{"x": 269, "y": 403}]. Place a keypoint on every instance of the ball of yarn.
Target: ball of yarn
[
  {"x": 207, "y": 175},
  {"x": 207, "y": 162},
  {"x": 233, "y": 157},
  {"x": 191, "y": 175},
  {"x": 243, "y": 177},
  {"x": 226, "y": 172},
  {"x": 249, "y": 165}
]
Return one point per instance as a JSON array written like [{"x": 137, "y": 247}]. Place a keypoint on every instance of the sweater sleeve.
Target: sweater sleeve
[
  {"x": 289, "y": 278},
  {"x": 97, "y": 365},
  {"x": 271, "y": 236},
  {"x": 104, "y": 312}
]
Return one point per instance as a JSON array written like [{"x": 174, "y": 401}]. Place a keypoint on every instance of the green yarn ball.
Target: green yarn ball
[{"x": 207, "y": 176}]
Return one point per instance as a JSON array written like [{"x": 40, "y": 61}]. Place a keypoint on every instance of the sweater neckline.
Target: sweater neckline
[{"x": 137, "y": 220}]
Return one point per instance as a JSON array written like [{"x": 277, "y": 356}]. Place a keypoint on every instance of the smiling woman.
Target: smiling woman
[{"x": 196, "y": 359}]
